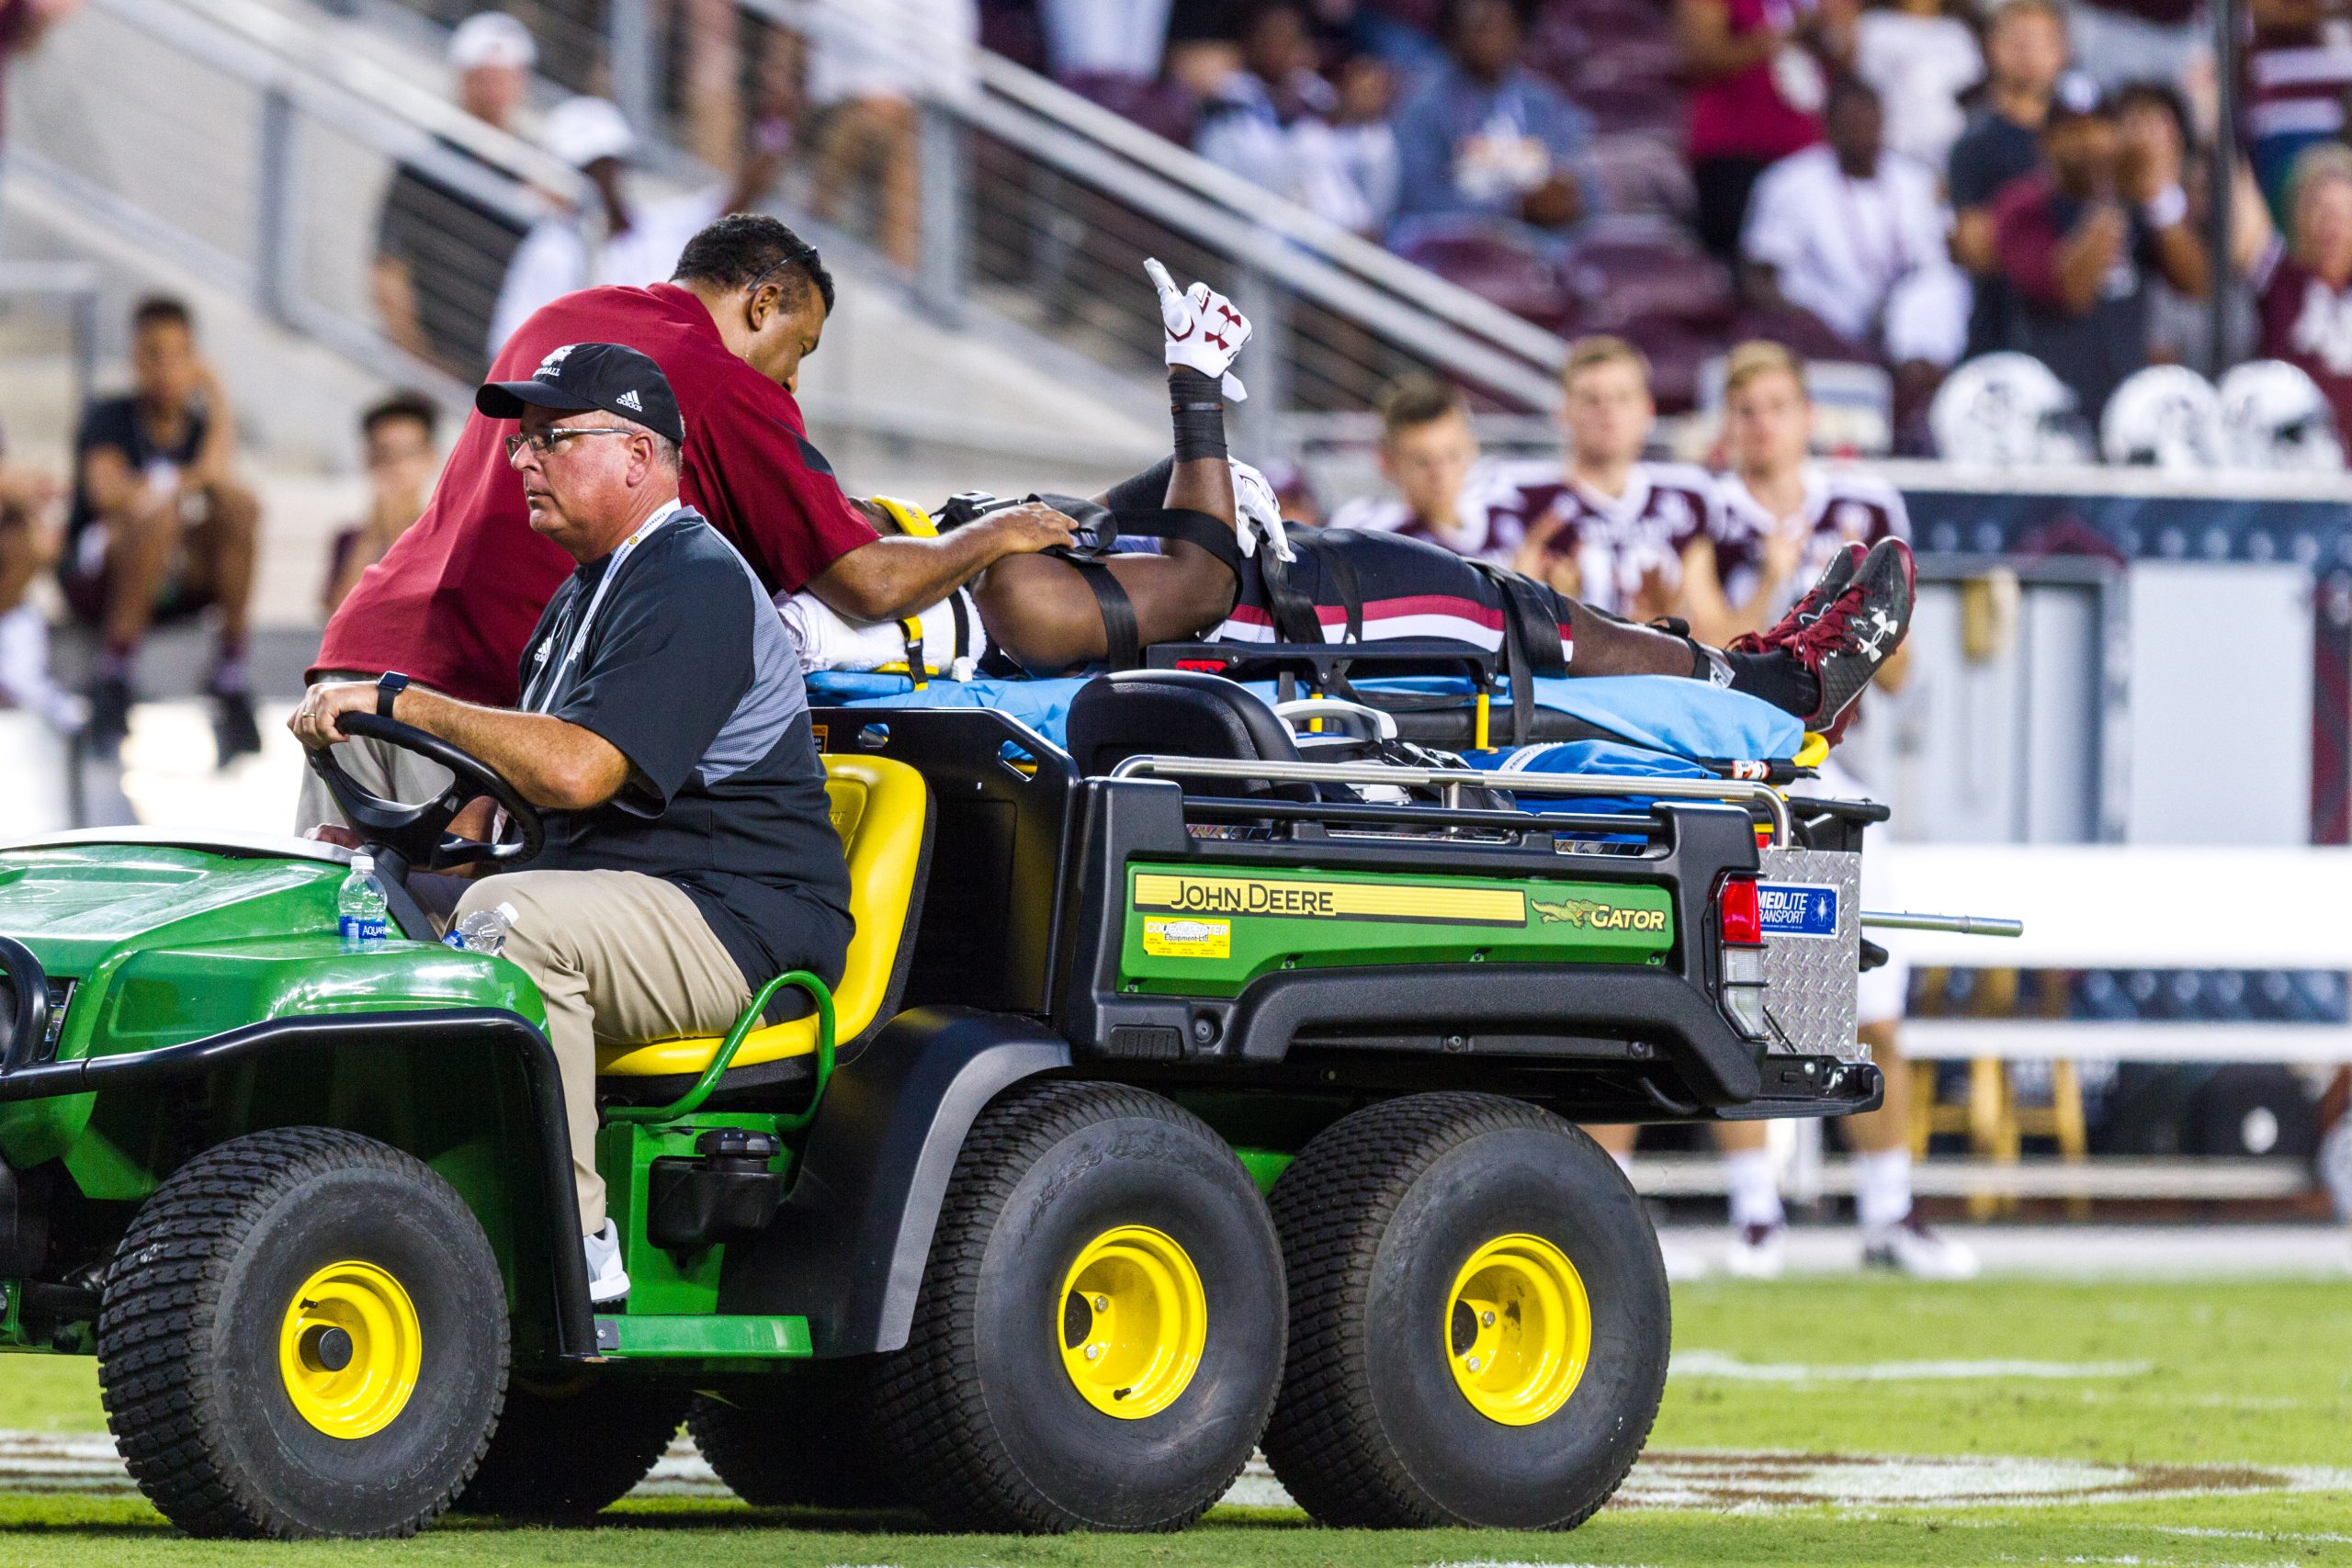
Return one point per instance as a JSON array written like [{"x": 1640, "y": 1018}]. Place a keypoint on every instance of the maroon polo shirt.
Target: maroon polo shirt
[{"x": 452, "y": 604}]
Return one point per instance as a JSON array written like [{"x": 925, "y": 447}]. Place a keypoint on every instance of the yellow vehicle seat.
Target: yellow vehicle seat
[{"x": 882, "y": 810}]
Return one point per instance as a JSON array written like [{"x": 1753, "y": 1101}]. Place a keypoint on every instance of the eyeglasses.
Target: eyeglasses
[
  {"x": 544, "y": 441},
  {"x": 549, "y": 440}
]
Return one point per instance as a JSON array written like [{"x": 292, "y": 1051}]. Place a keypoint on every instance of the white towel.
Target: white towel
[{"x": 831, "y": 641}]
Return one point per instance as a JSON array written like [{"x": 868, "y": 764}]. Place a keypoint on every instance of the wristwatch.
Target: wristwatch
[{"x": 389, "y": 687}]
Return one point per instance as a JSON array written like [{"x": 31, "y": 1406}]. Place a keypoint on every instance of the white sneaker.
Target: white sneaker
[
  {"x": 1757, "y": 1252},
  {"x": 607, "y": 1281},
  {"x": 1908, "y": 1246}
]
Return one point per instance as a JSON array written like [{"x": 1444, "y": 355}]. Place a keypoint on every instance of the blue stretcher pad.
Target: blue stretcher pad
[{"x": 1671, "y": 717}]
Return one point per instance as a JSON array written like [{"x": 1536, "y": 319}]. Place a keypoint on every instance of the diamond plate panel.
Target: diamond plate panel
[{"x": 1810, "y": 981}]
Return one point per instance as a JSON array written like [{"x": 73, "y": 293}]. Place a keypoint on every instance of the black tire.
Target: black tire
[
  {"x": 202, "y": 1291},
  {"x": 803, "y": 1439},
  {"x": 1378, "y": 1216},
  {"x": 573, "y": 1448},
  {"x": 980, "y": 1406}
]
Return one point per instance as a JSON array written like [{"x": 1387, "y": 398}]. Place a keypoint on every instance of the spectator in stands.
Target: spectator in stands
[
  {"x": 1486, "y": 141},
  {"x": 1857, "y": 235},
  {"x": 863, "y": 83},
  {"x": 1760, "y": 74},
  {"x": 2303, "y": 286},
  {"x": 1605, "y": 526},
  {"x": 161, "y": 526},
  {"x": 2153, "y": 120},
  {"x": 625, "y": 241},
  {"x": 2298, "y": 74},
  {"x": 2025, "y": 50},
  {"x": 442, "y": 248},
  {"x": 402, "y": 460},
  {"x": 1276, "y": 121},
  {"x": 1429, "y": 453},
  {"x": 1921, "y": 60},
  {"x": 29, "y": 547},
  {"x": 2079, "y": 243}
]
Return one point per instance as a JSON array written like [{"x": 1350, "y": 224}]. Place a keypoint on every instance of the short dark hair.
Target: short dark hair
[
  {"x": 402, "y": 404},
  {"x": 746, "y": 248},
  {"x": 160, "y": 309},
  {"x": 1414, "y": 400}
]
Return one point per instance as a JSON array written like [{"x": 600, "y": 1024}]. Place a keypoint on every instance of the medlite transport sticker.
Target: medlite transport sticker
[
  {"x": 1188, "y": 938},
  {"x": 1798, "y": 909}
]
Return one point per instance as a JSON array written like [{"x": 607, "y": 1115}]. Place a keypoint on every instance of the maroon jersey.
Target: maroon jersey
[
  {"x": 1619, "y": 542},
  {"x": 1475, "y": 534},
  {"x": 2308, "y": 325},
  {"x": 1840, "y": 506}
]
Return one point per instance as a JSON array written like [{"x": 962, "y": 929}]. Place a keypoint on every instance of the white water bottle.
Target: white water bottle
[
  {"x": 483, "y": 931},
  {"x": 361, "y": 910}
]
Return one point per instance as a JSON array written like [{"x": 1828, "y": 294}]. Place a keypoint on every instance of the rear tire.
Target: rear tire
[
  {"x": 803, "y": 1439},
  {"x": 570, "y": 1449},
  {"x": 1406, "y": 1224},
  {"x": 302, "y": 1334},
  {"x": 1019, "y": 1404}
]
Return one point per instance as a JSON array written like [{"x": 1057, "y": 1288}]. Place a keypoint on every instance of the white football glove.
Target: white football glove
[
  {"x": 1260, "y": 513},
  {"x": 1204, "y": 332}
]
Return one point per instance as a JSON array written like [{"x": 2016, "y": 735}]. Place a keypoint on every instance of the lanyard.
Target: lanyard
[{"x": 540, "y": 697}]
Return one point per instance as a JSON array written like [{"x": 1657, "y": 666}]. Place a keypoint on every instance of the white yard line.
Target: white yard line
[{"x": 1720, "y": 1364}]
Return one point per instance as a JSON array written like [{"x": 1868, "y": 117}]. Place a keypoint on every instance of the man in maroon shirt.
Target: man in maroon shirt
[{"x": 453, "y": 603}]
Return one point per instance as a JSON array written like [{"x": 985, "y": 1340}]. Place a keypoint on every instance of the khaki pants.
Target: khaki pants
[
  {"x": 620, "y": 959},
  {"x": 385, "y": 771}
]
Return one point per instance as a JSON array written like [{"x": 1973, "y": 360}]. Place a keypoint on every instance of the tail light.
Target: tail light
[
  {"x": 1739, "y": 926},
  {"x": 1738, "y": 914}
]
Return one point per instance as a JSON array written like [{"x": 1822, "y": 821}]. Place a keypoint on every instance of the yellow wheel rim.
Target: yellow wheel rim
[
  {"x": 350, "y": 1349},
  {"x": 1518, "y": 1330},
  {"x": 1132, "y": 1322}
]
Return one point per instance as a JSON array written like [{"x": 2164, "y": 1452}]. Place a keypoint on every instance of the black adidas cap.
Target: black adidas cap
[{"x": 582, "y": 376}]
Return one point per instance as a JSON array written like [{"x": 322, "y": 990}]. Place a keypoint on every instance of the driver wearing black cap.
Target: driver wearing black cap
[{"x": 664, "y": 731}]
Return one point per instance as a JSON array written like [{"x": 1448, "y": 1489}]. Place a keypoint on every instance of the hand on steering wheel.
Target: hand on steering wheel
[{"x": 419, "y": 833}]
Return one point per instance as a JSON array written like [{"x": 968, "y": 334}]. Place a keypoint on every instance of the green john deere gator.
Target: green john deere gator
[{"x": 1180, "y": 1097}]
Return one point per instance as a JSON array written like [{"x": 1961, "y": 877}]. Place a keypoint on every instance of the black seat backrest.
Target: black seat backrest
[{"x": 1180, "y": 712}]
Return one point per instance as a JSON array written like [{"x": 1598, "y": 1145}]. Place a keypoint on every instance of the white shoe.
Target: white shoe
[
  {"x": 1908, "y": 1246},
  {"x": 607, "y": 1281},
  {"x": 1757, "y": 1252}
]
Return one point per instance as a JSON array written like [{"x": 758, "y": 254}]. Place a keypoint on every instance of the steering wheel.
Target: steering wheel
[{"x": 419, "y": 833}]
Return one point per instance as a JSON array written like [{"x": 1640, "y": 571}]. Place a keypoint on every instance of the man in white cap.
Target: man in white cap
[
  {"x": 623, "y": 242},
  {"x": 443, "y": 247}
]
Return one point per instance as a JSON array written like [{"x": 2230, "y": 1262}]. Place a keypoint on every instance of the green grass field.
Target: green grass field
[{"x": 2246, "y": 1382}]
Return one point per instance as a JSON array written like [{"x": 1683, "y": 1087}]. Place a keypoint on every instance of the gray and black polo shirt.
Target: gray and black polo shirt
[{"x": 687, "y": 670}]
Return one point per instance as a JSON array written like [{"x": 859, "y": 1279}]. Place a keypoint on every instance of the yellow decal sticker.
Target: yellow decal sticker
[
  {"x": 1188, "y": 938},
  {"x": 1597, "y": 917},
  {"x": 1331, "y": 900},
  {"x": 819, "y": 731}
]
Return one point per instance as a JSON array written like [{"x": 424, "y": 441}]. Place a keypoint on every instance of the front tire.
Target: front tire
[
  {"x": 302, "y": 1334},
  {"x": 1479, "y": 1321},
  {"x": 1100, "y": 1329}
]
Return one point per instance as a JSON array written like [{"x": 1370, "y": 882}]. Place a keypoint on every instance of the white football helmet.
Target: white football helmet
[
  {"x": 2166, "y": 416},
  {"x": 2003, "y": 410},
  {"x": 2275, "y": 416}
]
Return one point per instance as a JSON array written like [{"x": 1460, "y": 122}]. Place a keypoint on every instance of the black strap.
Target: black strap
[
  {"x": 1339, "y": 572},
  {"x": 1526, "y": 609},
  {"x": 1192, "y": 527},
  {"x": 963, "y": 624},
  {"x": 1293, "y": 612},
  {"x": 1122, "y": 640}
]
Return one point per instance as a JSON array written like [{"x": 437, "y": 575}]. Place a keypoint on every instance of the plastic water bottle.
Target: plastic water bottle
[
  {"x": 361, "y": 911},
  {"x": 484, "y": 930}
]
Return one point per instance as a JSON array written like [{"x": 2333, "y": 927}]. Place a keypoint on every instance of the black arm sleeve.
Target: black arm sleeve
[{"x": 1146, "y": 491}]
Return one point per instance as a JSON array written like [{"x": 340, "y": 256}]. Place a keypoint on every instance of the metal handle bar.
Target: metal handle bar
[
  {"x": 1960, "y": 925},
  {"x": 1734, "y": 790}
]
